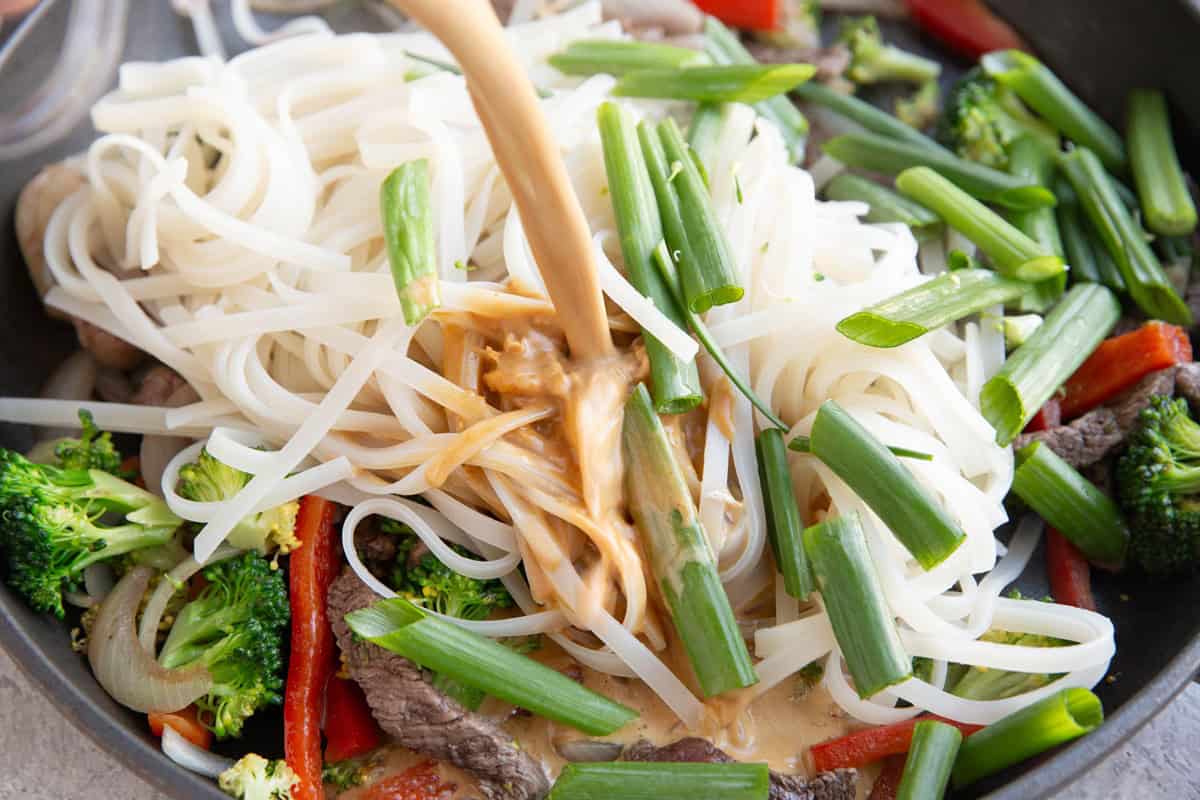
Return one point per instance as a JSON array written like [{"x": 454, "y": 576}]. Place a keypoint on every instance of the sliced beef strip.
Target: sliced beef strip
[
  {"x": 836, "y": 785},
  {"x": 1187, "y": 384},
  {"x": 1129, "y": 405},
  {"x": 421, "y": 718}
]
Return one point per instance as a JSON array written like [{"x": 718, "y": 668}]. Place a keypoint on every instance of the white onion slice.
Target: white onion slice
[{"x": 191, "y": 757}]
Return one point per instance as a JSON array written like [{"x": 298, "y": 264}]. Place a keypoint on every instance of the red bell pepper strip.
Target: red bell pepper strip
[
  {"x": 888, "y": 783},
  {"x": 350, "y": 730},
  {"x": 186, "y": 723},
  {"x": 966, "y": 26},
  {"x": 313, "y": 660},
  {"x": 420, "y": 782},
  {"x": 867, "y": 746},
  {"x": 1048, "y": 416},
  {"x": 1120, "y": 362},
  {"x": 755, "y": 15},
  {"x": 1070, "y": 574}
]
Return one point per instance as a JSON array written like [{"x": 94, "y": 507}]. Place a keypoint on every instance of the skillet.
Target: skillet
[{"x": 1102, "y": 48}]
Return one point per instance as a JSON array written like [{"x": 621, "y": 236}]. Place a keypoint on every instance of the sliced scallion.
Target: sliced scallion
[
  {"x": 1056, "y": 720},
  {"x": 784, "y": 528},
  {"x": 1030, "y": 159},
  {"x": 1162, "y": 187},
  {"x": 877, "y": 476},
  {"x": 408, "y": 232},
  {"x": 930, "y": 759},
  {"x": 1011, "y": 252},
  {"x": 862, "y": 623},
  {"x": 878, "y": 153},
  {"x": 643, "y": 780},
  {"x": 489, "y": 666},
  {"x": 705, "y": 131},
  {"x": 886, "y": 205},
  {"x": 1031, "y": 375},
  {"x": 727, "y": 83},
  {"x": 621, "y": 56},
  {"x": 870, "y": 117},
  {"x": 1071, "y": 504}
]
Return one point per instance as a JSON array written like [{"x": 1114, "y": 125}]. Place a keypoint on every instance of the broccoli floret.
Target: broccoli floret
[
  {"x": 235, "y": 627},
  {"x": 800, "y": 28},
  {"x": 54, "y": 522},
  {"x": 874, "y": 61},
  {"x": 983, "y": 119},
  {"x": 984, "y": 683},
  {"x": 1158, "y": 483},
  {"x": 92, "y": 450},
  {"x": 345, "y": 775},
  {"x": 256, "y": 778},
  {"x": 920, "y": 109},
  {"x": 428, "y": 582},
  {"x": 208, "y": 480}
]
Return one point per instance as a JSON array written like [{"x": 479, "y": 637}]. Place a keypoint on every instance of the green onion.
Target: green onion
[
  {"x": 666, "y": 267},
  {"x": 1140, "y": 269},
  {"x": 1161, "y": 185},
  {"x": 884, "y": 484},
  {"x": 693, "y": 232},
  {"x": 408, "y": 231},
  {"x": 728, "y": 83},
  {"x": 947, "y": 298},
  {"x": 679, "y": 554},
  {"x": 1088, "y": 257},
  {"x": 872, "y": 118},
  {"x": 886, "y": 205},
  {"x": 675, "y": 383},
  {"x": 618, "y": 57},
  {"x": 489, "y": 666},
  {"x": 724, "y": 47},
  {"x": 705, "y": 131},
  {"x": 641, "y": 780},
  {"x": 446, "y": 66},
  {"x": 1011, "y": 252},
  {"x": 1058, "y": 719},
  {"x": 784, "y": 527},
  {"x": 1047, "y": 95},
  {"x": 1071, "y": 504},
  {"x": 862, "y": 624},
  {"x": 877, "y": 153},
  {"x": 803, "y": 444},
  {"x": 930, "y": 759},
  {"x": 1032, "y": 374},
  {"x": 1030, "y": 159}
]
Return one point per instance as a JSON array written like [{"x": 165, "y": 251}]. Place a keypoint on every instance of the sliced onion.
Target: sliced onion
[
  {"x": 165, "y": 590},
  {"x": 124, "y": 668},
  {"x": 192, "y": 757},
  {"x": 98, "y": 580},
  {"x": 156, "y": 453},
  {"x": 590, "y": 750}
]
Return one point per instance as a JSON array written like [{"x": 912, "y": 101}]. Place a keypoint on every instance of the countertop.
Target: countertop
[{"x": 42, "y": 757}]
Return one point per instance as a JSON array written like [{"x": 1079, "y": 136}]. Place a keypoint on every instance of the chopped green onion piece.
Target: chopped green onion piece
[
  {"x": 1047, "y": 95},
  {"x": 1032, "y": 374},
  {"x": 679, "y": 554},
  {"x": 784, "y": 528},
  {"x": 667, "y": 269},
  {"x": 880, "y": 154},
  {"x": 618, "y": 57},
  {"x": 862, "y": 623},
  {"x": 1089, "y": 258},
  {"x": 642, "y": 780},
  {"x": 446, "y": 66},
  {"x": 928, "y": 306},
  {"x": 803, "y": 444},
  {"x": 1161, "y": 184},
  {"x": 877, "y": 476},
  {"x": 1144, "y": 277},
  {"x": 1012, "y": 253},
  {"x": 886, "y": 205},
  {"x": 860, "y": 112},
  {"x": 408, "y": 232},
  {"x": 706, "y": 263},
  {"x": 705, "y": 131},
  {"x": 675, "y": 383},
  {"x": 728, "y": 83},
  {"x": 930, "y": 759},
  {"x": 1030, "y": 159},
  {"x": 724, "y": 47},
  {"x": 1071, "y": 504},
  {"x": 489, "y": 666},
  {"x": 1058, "y": 719}
]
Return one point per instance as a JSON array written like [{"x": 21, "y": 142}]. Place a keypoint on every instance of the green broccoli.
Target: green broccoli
[
  {"x": 54, "y": 522},
  {"x": 1158, "y": 485},
  {"x": 983, "y": 119},
  {"x": 208, "y": 480},
  {"x": 874, "y": 61},
  {"x": 920, "y": 109},
  {"x": 430, "y": 583},
  {"x": 346, "y": 774},
  {"x": 235, "y": 627},
  {"x": 256, "y": 778},
  {"x": 92, "y": 450},
  {"x": 984, "y": 683}
]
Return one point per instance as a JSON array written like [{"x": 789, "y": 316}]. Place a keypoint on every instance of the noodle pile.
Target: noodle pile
[{"x": 230, "y": 227}]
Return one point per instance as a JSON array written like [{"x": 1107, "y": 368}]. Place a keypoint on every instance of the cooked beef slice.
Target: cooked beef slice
[
  {"x": 1187, "y": 384},
  {"x": 421, "y": 718},
  {"x": 1129, "y": 405},
  {"x": 836, "y": 785}
]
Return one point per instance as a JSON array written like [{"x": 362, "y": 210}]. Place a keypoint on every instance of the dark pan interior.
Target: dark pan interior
[{"x": 1101, "y": 47}]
